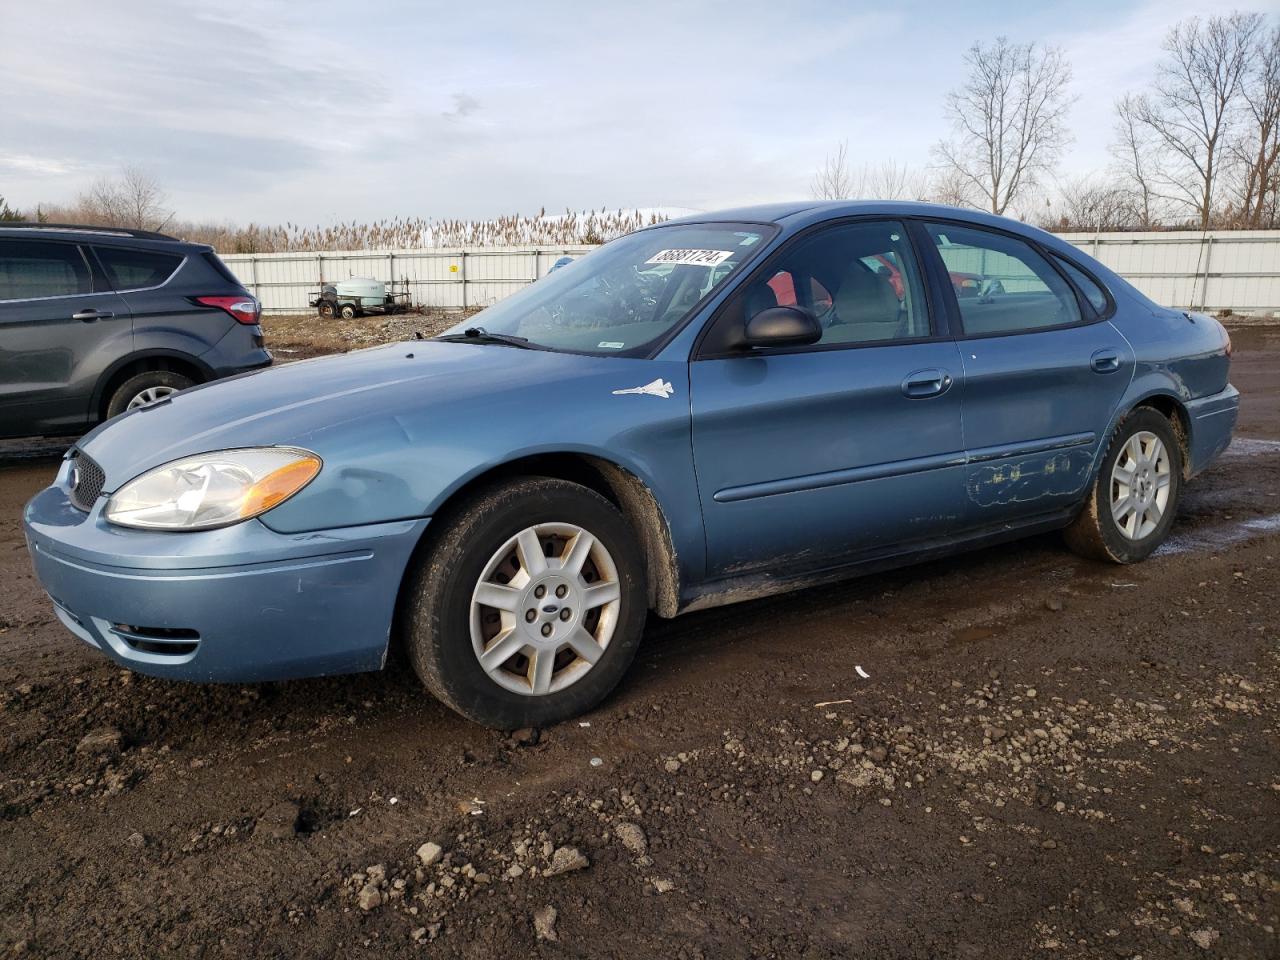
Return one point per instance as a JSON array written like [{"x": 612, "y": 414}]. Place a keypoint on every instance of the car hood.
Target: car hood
[{"x": 362, "y": 404}]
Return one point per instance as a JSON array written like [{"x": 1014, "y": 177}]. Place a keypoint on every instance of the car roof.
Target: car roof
[
  {"x": 802, "y": 213},
  {"x": 93, "y": 234}
]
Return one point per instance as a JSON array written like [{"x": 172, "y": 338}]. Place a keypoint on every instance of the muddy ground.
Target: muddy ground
[{"x": 1047, "y": 757}]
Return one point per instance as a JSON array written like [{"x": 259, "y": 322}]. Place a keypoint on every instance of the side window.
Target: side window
[
  {"x": 30, "y": 269},
  {"x": 859, "y": 279},
  {"x": 783, "y": 285},
  {"x": 1002, "y": 284},
  {"x": 136, "y": 269},
  {"x": 1096, "y": 296}
]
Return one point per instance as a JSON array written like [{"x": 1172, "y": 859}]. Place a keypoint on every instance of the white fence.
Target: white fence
[
  {"x": 1235, "y": 270},
  {"x": 452, "y": 278}
]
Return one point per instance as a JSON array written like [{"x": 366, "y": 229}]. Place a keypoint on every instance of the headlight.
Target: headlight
[{"x": 212, "y": 489}]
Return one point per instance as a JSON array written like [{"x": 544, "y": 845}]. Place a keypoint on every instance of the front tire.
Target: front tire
[
  {"x": 529, "y": 605},
  {"x": 1135, "y": 495}
]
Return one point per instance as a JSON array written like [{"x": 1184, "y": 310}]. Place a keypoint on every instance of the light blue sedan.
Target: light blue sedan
[{"x": 702, "y": 412}]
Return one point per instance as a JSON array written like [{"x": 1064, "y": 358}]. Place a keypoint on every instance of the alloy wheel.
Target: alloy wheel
[
  {"x": 144, "y": 398},
  {"x": 545, "y": 608},
  {"x": 1140, "y": 485}
]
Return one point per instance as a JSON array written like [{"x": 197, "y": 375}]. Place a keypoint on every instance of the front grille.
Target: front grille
[{"x": 87, "y": 480}]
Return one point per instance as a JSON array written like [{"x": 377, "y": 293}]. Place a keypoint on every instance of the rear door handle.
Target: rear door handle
[
  {"x": 88, "y": 316},
  {"x": 1105, "y": 361},
  {"x": 926, "y": 383}
]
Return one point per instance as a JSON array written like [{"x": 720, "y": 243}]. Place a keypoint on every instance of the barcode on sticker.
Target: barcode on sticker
[{"x": 696, "y": 258}]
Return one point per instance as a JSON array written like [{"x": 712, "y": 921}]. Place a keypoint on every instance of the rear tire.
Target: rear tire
[
  {"x": 570, "y": 618},
  {"x": 1131, "y": 506},
  {"x": 326, "y": 309},
  {"x": 148, "y": 387},
  {"x": 349, "y": 311}
]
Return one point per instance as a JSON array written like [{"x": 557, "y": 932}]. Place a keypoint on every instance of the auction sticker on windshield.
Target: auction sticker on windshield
[{"x": 697, "y": 258}]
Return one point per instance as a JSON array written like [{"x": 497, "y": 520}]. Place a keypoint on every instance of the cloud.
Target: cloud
[
  {"x": 38, "y": 166},
  {"x": 275, "y": 110},
  {"x": 463, "y": 106}
]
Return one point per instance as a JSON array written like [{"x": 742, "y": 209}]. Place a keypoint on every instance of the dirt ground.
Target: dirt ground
[
  {"x": 296, "y": 336},
  {"x": 1046, "y": 757}
]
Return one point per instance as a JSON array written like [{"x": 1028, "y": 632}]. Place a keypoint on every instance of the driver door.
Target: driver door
[{"x": 811, "y": 457}]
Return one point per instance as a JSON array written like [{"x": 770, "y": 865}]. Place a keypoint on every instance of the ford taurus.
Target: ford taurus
[{"x": 701, "y": 412}]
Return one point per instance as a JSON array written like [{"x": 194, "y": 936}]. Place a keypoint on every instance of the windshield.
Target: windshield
[{"x": 629, "y": 293}]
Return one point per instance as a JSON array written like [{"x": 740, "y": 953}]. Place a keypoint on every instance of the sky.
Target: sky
[{"x": 311, "y": 111}]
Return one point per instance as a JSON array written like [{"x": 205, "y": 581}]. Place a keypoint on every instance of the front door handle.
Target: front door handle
[
  {"x": 926, "y": 383},
  {"x": 88, "y": 316},
  {"x": 1105, "y": 361}
]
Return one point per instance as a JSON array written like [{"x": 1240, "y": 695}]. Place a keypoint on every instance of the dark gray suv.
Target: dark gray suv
[{"x": 96, "y": 320}]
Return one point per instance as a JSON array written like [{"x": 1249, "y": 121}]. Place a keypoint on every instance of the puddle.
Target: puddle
[
  {"x": 1249, "y": 447},
  {"x": 1217, "y": 537}
]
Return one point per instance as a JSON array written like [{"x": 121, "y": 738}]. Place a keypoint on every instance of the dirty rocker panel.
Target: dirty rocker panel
[{"x": 900, "y": 468}]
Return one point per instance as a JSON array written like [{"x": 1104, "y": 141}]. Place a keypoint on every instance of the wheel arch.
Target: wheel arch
[
  {"x": 140, "y": 362},
  {"x": 617, "y": 484},
  {"x": 1172, "y": 409}
]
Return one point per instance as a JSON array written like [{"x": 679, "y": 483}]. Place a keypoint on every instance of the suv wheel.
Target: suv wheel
[
  {"x": 1135, "y": 495},
  {"x": 145, "y": 389},
  {"x": 529, "y": 607}
]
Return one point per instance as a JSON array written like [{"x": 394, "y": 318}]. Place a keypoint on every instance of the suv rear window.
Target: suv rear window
[
  {"x": 136, "y": 269},
  {"x": 222, "y": 269},
  {"x": 33, "y": 269}
]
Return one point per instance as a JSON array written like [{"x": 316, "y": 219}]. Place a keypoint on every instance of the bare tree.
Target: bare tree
[
  {"x": 1134, "y": 160},
  {"x": 833, "y": 180},
  {"x": 891, "y": 180},
  {"x": 1093, "y": 204},
  {"x": 133, "y": 199},
  {"x": 1255, "y": 152},
  {"x": 1007, "y": 119},
  {"x": 949, "y": 186},
  {"x": 1192, "y": 109}
]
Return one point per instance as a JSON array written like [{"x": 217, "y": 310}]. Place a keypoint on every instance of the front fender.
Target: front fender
[{"x": 382, "y": 466}]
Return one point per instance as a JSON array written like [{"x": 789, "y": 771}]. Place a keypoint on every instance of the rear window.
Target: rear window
[
  {"x": 34, "y": 269},
  {"x": 1096, "y": 296},
  {"x": 136, "y": 269},
  {"x": 221, "y": 269}
]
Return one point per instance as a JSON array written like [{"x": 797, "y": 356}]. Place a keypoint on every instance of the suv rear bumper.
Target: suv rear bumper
[
  {"x": 237, "y": 604},
  {"x": 240, "y": 350}
]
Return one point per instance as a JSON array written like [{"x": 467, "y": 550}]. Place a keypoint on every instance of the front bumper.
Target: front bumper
[{"x": 236, "y": 604}]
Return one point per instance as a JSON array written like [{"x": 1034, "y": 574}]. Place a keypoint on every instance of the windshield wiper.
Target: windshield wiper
[{"x": 481, "y": 335}]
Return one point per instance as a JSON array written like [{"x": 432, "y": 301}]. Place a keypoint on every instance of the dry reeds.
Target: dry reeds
[{"x": 410, "y": 233}]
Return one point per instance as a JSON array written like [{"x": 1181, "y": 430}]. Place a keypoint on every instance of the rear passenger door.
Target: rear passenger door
[
  {"x": 809, "y": 457},
  {"x": 60, "y": 324},
  {"x": 1043, "y": 370}
]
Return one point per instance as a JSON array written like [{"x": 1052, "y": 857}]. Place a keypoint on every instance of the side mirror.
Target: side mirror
[{"x": 782, "y": 327}]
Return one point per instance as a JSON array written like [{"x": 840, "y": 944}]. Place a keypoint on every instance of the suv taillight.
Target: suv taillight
[{"x": 245, "y": 309}]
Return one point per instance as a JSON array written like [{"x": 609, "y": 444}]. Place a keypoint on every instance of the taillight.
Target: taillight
[{"x": 245, "y": 309}]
